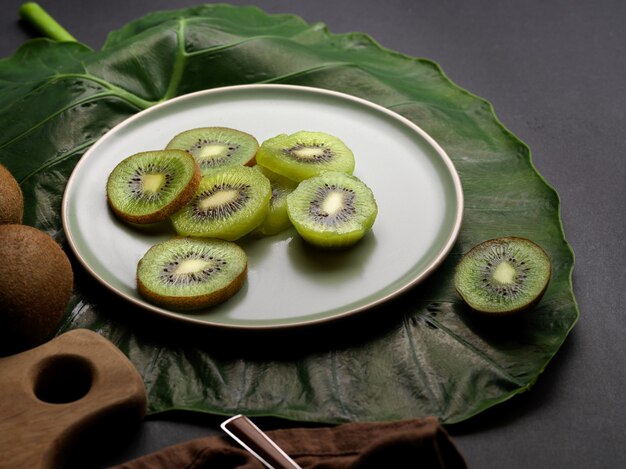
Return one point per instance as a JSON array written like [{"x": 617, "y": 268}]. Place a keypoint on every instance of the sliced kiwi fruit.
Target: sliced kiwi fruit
[
  {"x": 333, "y": 210},
  {"x": 11, "y": 198},
  {"x": 277, "y": 219},
  {"x": 36, "y": 283},
  {"x": 228, "y": 204},
  {"x": 148, "y": 187},
  {"x": 503, "y": 276},
  {"x": 215, "y": 148},
  {"x": 305, "y": 154},
  {"x": 191, "y": 273}
]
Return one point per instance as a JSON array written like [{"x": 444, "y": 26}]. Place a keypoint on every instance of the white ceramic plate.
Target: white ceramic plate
[{"x": 417, "y": 189}]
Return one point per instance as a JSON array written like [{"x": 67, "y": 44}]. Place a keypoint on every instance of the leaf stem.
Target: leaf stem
[{"x": 37, "y": 17}]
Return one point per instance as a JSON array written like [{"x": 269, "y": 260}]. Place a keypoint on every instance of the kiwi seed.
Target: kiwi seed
[
  {"x": 35, "y": 287},
  {"x": 503, "y": 276},
  {"x": 191, "y": 273},
  {"x": 148, "y": 187},
  {"x": 11, "y": 198}
]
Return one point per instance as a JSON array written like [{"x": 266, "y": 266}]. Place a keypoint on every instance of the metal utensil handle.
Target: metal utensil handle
[{"x": 252, "y": 438}]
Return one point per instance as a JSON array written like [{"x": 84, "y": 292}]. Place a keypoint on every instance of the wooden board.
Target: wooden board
[{"x": 55, "y": 394}]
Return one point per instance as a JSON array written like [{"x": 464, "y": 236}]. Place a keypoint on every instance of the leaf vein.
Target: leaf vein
[
  {"x": 179, "y": 63},
  {"x": 336, "y": 384},
  {"x": 328, "y": 65},
  {"x": 60, "y": 111},
  {"x": 476, "y": 351},
  {"x": 59, "y": 159},
  {"x": 119, "y": 91},
  {"x": 412, "y": 347}
]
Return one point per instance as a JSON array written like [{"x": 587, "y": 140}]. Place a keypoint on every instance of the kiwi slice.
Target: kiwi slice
[
  {"x": 305, "y": 154},
  {"x": 150, "y": 186},
  {"x": 277, "y": 219},
  {"x": 503, "y": 275},
  {"x": 215, "y": 148},
  {"x": 11, "y": 198},
  {"x": 333, "y": 210},
  {"x": 228, "y": 204},
  {"x": 191, "y": 273}
]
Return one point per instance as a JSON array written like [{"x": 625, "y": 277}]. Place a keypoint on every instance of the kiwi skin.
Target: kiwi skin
[
  {"x": 36, "y": 284},
  {"x": 197, "y": 302},
  {"x": 514, "y": 311},
  {"x": 11, "y": 198}
]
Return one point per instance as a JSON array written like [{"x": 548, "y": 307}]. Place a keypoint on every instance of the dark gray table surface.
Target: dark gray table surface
[{"x": 555, "y": 72}]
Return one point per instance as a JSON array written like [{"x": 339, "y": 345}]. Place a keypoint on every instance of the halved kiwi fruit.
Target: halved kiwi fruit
[
  {"x": 277, "y": 219},
  {"x": 148, "y": 187},
  {"x": 333, "y": 210},
  {"x": 215, "y": 148},
  {"x": 503, "y": 276},
  {"x": 191, "y": 273},
  {"x": 305, "y": 154},
  {"x": 11, "y": 198},
  {"x": 228, "y": 204}
]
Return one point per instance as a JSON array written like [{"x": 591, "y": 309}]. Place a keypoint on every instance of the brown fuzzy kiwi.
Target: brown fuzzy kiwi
[
  {"x": 36, "y": 283},
  {"x": 11, "y": 198}
]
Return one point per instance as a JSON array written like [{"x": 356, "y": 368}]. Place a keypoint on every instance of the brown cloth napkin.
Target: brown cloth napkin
[{"x": 417, "y": 444}]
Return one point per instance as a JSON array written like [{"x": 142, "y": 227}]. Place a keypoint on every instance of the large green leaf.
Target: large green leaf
[{"x": 422, "y": 353}]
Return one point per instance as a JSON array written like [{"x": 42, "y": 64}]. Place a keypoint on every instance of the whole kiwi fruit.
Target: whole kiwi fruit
[
  {"x": 35, "y": 287},
  {"x": 11, "y": 199}
]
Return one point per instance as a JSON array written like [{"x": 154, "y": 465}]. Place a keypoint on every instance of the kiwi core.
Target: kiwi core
[
  {"x": 504, "y": 274},
  {"x": 333, "y": 203},
  {"x": 309, "y": 153},
  {"x": 218, "y": 199},
  {"x": 190, "y": 266},
  {"x": 152, "y": 182},
  {"x": 213, "y": 151}
]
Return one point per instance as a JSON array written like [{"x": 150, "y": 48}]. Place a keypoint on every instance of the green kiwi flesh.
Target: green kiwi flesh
[
  {"x": 305, "y": 154},
  {"x": 191, "y": 273},
  {"x": 148, "y": 187},
  {"x": 503, "y": 276},
  {"x": 11, "y": 198},
  {"x": 277, "y": 219},
  {"x": 333, "y": 210},
  {"x": 215, "y": 148},
  {"x": 228, "y": 204},
  {"x": 36, "y": 283}
]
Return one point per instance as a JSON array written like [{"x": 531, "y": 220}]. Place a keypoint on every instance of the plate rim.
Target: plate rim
[{"x": 432, "y": 266}]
